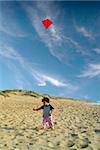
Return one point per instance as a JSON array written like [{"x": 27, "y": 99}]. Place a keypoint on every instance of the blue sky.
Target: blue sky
[{"x": 63, "y": 60}]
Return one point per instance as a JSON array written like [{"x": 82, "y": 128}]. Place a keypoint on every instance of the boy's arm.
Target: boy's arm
[{"x": 36, "y": 109}]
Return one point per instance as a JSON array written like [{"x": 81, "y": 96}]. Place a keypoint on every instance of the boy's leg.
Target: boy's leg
[
  {"x": 50, "y": 122},
  {"x": 44, "y": 122}
]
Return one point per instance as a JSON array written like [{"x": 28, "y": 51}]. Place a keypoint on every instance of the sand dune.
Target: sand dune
[{"x": 77, "y": 125}]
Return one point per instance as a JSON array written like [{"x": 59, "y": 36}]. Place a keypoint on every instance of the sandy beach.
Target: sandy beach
[{"x": 77, "y": 125}]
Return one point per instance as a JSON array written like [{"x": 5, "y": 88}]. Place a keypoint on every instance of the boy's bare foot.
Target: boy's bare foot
[
  {"x": 36, "y": 128},
  {"x": 50, "y": 128},
  {"x": 41, "y": 128}
]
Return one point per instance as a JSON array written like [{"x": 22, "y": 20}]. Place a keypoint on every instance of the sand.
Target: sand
[{"x": 77, "y": 125}]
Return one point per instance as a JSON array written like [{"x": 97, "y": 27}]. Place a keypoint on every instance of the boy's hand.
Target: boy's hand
[{"x": 34, "y": 109}]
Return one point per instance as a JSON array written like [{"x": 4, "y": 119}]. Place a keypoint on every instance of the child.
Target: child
[{"x": 47, "y": 110}]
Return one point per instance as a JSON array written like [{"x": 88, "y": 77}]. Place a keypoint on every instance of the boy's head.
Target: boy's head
[{"x": 45, "y": 100}]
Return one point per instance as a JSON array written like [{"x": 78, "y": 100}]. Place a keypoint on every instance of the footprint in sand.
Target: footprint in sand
[
  {"x": 70, "y": 143},
  {"x": 97, "y": 131},
  {"x": 83, "y": 143}
]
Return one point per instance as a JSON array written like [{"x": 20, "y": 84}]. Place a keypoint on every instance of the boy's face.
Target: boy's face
[{"x": 45, "y": 103}]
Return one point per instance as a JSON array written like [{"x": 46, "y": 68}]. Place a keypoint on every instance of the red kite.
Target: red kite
[{"x": 47, "y": 23}]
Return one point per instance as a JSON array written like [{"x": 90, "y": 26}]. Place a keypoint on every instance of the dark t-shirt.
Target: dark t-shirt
[{"x": 46, "y": 110}]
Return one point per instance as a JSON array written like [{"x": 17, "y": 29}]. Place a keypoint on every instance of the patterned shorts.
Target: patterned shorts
[{"x": 48, "y": 120}]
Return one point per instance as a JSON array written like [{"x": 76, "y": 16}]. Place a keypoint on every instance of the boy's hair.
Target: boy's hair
[{"x": 46, "y": 99}]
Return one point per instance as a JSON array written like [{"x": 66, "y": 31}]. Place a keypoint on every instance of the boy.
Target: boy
[{"x": 47, "y": 110}]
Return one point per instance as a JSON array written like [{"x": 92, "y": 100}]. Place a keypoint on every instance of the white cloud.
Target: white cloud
[
  {"x": 85, "y": 32},
  {"x": 53, "y": 81},
  {"x": 44, "y": 79},
  {"x": 92, "y": 70},
  {"x": 97, "y": 50}
]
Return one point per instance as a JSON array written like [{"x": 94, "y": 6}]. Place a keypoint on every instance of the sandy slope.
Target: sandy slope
[{"x": 77, "y": 125}]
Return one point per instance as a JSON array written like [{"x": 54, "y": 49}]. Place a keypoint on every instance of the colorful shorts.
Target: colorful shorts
[{"x": 48, "y": 120}]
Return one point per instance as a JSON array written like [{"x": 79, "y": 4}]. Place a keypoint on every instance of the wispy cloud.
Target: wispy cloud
[
  {"x": 85, "y": 32},
  {"x": 97, "y": 50},
  {"x": 12, "y": 32},
  {"x": 13, "y": 56},
  {"x": 20, "y": 81},
  {"x": 42, "y": 79},
  {"x": 9, "y": 23},
  {"x": 86, "y": 97},
  {"x": 53, "y": 38},
  {"x": 92, "y": 70},
  {"x": 8, "y": 52}
]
